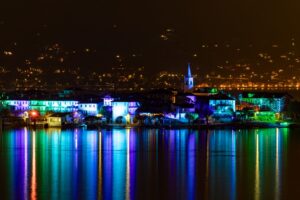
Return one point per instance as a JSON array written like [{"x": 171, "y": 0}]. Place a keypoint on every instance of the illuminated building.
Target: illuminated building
[
  {"x": 223, "y": 107},
  {"x": 188, "y": 80},
  {"x": 184, "y": 106},
  {"x": 275, "y": 102},
  {"x": 208, "y": 103},
  {"x": 59, "y": 119},
  {"x": 53, "y": 105},
  {"x": 59, "y": 106},
  {"x": 90, "y": 109},
  {"x": 123, "y": 112},
  {"x": 219, "y": 106},
  {"x": 119, "y": 112},
  {"x": 16, "y": 105},
  {"x": 265, "y": 116},
  {"x": 107, "y": 100},
  {"x": 42, "y": 106}
]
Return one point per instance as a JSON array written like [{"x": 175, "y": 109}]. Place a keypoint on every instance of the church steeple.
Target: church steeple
[
  {"x": 189, "y": 73},
  {"x": 188, "y": 80}
]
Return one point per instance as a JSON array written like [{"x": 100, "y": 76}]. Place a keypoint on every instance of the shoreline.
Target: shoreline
[{"x": 233, "y": 125}]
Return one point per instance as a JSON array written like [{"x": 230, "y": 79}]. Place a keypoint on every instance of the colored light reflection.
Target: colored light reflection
[
  {"x": 33, "y": 194},
  {"x": 25, "y": 162},
  {"x": 100, "y": 180},
  {"x": 128, "y": 165},
  {"x": 233, "y": 166},
  {"x": 131, "y": 164},
  {"x": 119, "y": 164},
  {"x": 191, "y": 166},
  {"x": 257, "y": 176},
  {"x": 222, "y": 164},
  {"x": 277, "y": 165}
]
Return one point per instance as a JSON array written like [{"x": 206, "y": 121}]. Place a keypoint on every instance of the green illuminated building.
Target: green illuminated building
[
  {"x": 275, "y": 102},
  {"x": 42, "y": 106}
]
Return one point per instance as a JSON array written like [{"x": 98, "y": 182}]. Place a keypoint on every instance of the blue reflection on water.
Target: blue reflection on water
[
  {"x": 119, "y": 164},
  {"x": 191, "y": 166},
  {"x": 222, "y": 164},
  {"x": 135, "y": 164}
]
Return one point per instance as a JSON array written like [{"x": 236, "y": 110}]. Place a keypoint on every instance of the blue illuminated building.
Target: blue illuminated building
[
  {"x": 188, "y": 80},
  {"x": 218, "y": 107},
  {"x": 88, "y": 108},
  {"x": 124, "y": 112},
  {"x": 223, "y": 107}
]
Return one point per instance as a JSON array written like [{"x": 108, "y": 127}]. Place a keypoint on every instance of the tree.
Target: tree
[
  {"x": 5, "y": 112},
  {"x": 106, "y": 111},
  {"x": 293, "y": 110},
  {"x": 205, "y": 111},
  {"x": 247, "y": 112},
  {"x": 141, "y": 119}
]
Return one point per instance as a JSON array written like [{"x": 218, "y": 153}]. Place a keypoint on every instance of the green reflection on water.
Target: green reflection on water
[{"x": 129, "y": 163}]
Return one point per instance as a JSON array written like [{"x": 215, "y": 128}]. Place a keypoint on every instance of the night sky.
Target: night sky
[{"x": 135, "y": 27}]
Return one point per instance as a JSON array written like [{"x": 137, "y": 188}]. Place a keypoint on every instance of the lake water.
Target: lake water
[{"x": 150, "y": 164}]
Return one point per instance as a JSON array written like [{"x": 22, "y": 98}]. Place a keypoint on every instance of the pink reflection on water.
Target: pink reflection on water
[{"x": 33, "y": 174}]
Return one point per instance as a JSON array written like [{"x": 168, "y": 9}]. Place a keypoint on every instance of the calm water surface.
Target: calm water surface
[{"x": 150, "y": 164}]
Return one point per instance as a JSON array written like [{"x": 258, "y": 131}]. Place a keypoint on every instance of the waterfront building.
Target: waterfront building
[
  {"x": 60, "y": 106},
  {"x": 155, "y": 107},
  {"x": 275, "y": 102},
  {"x": 265, "y": 116},
  {"x": 59, "y": 119},
  {"x": 219, "y": 107},
  {"x": 16, "y": 105},
  {"x": 124, "y": 112},
  {"x": 183, "y": 108},
  {"x": 43, "y": 106},
  {"x": 205, "y": 105},
  {"x": 89, "y": 109}
]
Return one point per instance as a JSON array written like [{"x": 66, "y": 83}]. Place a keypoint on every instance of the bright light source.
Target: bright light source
[{"x": 33, "y": 113}]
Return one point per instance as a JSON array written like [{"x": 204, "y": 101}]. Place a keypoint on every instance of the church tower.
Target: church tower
[{"x": 188, "y": 80}]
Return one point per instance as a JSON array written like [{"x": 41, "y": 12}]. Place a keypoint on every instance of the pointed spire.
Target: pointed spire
[{"x": 189, "y": 74}]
